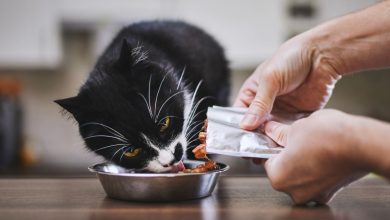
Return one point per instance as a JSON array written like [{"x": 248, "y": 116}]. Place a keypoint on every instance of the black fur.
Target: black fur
[{"x": 142, "y": 53}]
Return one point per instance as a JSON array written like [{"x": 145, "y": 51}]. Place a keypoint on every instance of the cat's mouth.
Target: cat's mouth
[{"x": 178, "y": 167}]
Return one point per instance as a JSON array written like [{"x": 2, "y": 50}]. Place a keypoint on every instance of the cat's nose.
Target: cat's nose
[{"x": 169, "y": 164}]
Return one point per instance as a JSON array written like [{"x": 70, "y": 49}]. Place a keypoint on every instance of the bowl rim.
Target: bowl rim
[{"x": 93, "y": 169}]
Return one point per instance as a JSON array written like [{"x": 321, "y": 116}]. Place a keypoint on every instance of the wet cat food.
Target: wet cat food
[{"x": 201, "y": 153}]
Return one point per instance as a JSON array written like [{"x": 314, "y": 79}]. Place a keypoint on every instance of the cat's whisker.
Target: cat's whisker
[
  {"x": 200, "y": 112},
  {"x": 150, "y": 81},
  {"x": 117, "y": 152},
  {"x": 158, "y": 91},
  {"x": 194, "y": 108},
  {"x": 166, "y": 101},
  {"x": 197, "y": 105},
  {"x": 196, "y": 125},
  {"x": 147, "y": 105},
  {"x": 191, "y": 119},
  {"x": 191, "y": 115},
  {"x": 192, "y": 130},
  {"x": 105, "y": 147},
  {"x": 192, "y": 147},
  {"x": 114, "y": 134},
  {"x": 107, "y": 136},
  {"x": 192, "y": 101},
  {"x": 123, "y": 153},
  {"x": 118, "y": 134},
  {"x": 195, "y": 93},
  {"x": 191, "y": 142},
  {"x": 195, "y": 135},
  {"x": 181, "y": 77}
]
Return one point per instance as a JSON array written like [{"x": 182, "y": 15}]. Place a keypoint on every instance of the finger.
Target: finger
[
  {"x": 260, "y": 106},
  {"x": 281, "y": 181},
  {"x": 259, "y": 161},
  {"x": 246, "y": 94},
  {"x": 277, "y": 132},
  {"x": 269, "y": 164},
  {"x": 239, "y": 103},
  {"x": 243, "y": 100},
  {"x": 274, "y": 173}
]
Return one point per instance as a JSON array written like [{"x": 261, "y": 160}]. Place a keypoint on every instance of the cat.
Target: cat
[{"x": 145, "y": 100}]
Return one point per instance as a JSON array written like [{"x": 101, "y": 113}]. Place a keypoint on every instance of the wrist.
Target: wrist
[
  {"x": 372, "y": 144},
  {"x": 345, "y": 48},
  {"x": 349, "y": 143},
  {"x": 327, "y": 47},
  {"x": 358, "y": 150}
]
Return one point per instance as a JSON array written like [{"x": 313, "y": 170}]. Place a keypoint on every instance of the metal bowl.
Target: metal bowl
[{"x": 123, "y": 184}]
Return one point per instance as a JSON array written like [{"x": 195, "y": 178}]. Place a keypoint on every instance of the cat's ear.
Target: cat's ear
[
  {"x": 124, "y": 61},
  {"x": 72, "y": 104}
]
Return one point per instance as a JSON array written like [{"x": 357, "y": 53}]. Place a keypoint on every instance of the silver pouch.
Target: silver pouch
[{"x": 224, "y": 135}]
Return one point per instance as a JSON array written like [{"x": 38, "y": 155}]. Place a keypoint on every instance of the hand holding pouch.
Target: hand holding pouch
[{"x": 224, "y": 135}]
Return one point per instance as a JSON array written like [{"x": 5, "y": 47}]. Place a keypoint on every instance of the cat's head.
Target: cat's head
[{"x": 133, "y": 113}]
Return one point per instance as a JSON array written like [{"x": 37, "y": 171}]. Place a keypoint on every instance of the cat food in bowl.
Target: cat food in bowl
[{"x": 123, "y": 184}]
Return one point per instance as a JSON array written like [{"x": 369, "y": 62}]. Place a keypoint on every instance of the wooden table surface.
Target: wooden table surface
[{"x": 239, "y": 198}]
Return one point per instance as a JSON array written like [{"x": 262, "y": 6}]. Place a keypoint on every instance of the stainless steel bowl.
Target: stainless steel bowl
[{"x": 123, "y": 184}]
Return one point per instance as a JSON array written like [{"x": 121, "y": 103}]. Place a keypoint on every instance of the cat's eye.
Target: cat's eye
[
  {"x": 165, "y": 124},
  {"x": 132, "y": 152}
]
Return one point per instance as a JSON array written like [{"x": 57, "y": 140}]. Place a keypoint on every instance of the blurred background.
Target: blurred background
[{"x": 47, "y": 48}]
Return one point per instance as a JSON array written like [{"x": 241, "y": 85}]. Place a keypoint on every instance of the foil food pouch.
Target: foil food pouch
[{"x": 224, "y": 135}]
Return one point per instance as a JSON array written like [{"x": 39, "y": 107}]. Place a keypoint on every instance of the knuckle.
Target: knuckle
[
  {"x": 268, "y": 75},
  {"x": 299, "y": 197},
  {"x": 259, "y": 105},
  {"x": 277, "y": 182},
  {"x": 281, "y": 136},
  {"x": 274, "y": 77}
]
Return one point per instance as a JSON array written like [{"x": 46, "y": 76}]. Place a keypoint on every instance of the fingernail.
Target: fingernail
[{"x": 249, "y": 120}]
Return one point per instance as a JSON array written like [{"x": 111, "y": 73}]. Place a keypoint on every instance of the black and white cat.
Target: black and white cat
[{"x": 146, "y": 98}]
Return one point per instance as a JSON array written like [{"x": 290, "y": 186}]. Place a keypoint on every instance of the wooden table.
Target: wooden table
[{"x": 239, "y": 198}]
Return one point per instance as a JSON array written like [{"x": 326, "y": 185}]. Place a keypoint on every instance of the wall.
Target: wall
[{"x": 51, "y": 136}]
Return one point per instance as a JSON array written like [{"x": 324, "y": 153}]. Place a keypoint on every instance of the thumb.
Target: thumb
[
  {"x": 261, "y": 105},
  {"x": 277, "y": 132}
]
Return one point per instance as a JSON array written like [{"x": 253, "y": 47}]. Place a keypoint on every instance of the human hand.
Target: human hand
[
  {"x": 320, "y": 156},
  {"x": 297, "y": 79}
]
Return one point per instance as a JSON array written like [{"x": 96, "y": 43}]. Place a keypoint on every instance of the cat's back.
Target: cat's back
[
  {"x": 169, "y": 33},
  {"x": 181, "y": 45},
  {"x": 179, "y": 41}
]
